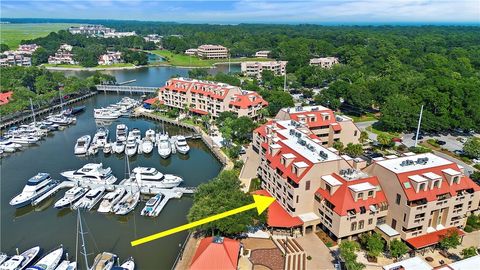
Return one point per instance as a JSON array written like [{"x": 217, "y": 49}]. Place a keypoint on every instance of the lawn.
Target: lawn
[
  {"x": 363, "y": 118},
  {"x": 378, "y": 132},
  {"x": 193, "y": 61},
  {"x": 12, "y": 33}
]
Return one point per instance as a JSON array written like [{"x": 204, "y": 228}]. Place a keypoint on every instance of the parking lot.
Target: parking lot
[{"x": 451, "y": 142}]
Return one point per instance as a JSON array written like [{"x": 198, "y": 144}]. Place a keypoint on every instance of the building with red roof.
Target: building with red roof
[
  {"x": 5, "y": 97},
  {"x": 324, "y": 123},
  {"x": 216, "y": 253},
  {"x": 426, "y": 194},
  {"x": 211, "y": 98}
]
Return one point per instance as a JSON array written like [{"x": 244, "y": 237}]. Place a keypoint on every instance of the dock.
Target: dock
[
  {"x": 130, "y": 89},
  {"x": 127, "y": 82},
  {"x": 62, "y": 185}
]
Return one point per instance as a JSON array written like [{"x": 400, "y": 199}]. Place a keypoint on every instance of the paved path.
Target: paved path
[
  {"x": 322, "y": 259},
  {"x": 249, "y": 169},
  {"x": 363, "y": 127}
]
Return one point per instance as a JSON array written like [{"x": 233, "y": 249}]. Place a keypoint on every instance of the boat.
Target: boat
[
  {"x": 104, "y": 261},
  {"x": 74, "y": 110},
  {"x": 24, "y": 139},
  {"x": 101, "y": 137},
  {"x": 49, "y": 261},
  {"x": 118, "y": 147},
  {"x": 70, "y": 197},
  {"x": 35, "y": 187},
  {"x": 127, "y": 265},
  {"x": 105, "y": 113},
  {"x": 21, "y": 261},
  {"x": 122, "y": 131},
  {"x": 150, "y": 135},
  {"x": 111, "y": 199},
  {"x": 90, "y": 199},
  {"x": 7, "y": 143},
  {"x": 181, "y": 145},
  {"x": 131, "y": 146},
  {"x": 93, "y": 149},
  {"x": 140, "y": 147},
  {"x": 67, "y": 265},
  {"x": 152, "y": 206},
  {"x": 128, "y": 202},
  {"x": 82, "y": 145},
  {"x": 61, "y": 119},
  {"x": 107, "y": 148},
  {"x": 147, "y": 146},
  {"x": 91, "y": 173},
  {"x": 164, "y": 147},
  {"x": 3, "y": 257},
  {"x": 136, "y": 134},
  {"x": 152, "y": 177}
]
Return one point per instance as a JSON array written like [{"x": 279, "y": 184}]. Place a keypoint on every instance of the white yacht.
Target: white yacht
[
  {"x": 90, "y": 199},
  {"x": 118, "y": 147},
  {"x": 18, "y": 262},
  {"x": 111, "y": 199},
  {"x": 127, "y": 265},
  {"x": 152, "y": 208},
  {"x": 70, "y": 197},
  {"x": 91, "y": 173},
  {"x": 150, "y": 135},
  {"x": 131, "y": 146},
  {"x": 147, "y": 146},
  {"x": 104, "y": 261},
  {"x": 3, "y": 257},
  {"x": 101, "y": 137},
  {"x": 82, "y": 145},
  {"x": 136, "y": 134},
  {"x": 93, "y": 149},
  {"x": 61, "y": 120},
  {"x": 7, "y": 143},
  {"x": 49, "y": 261},
  {"x": 67, "y": 265},
  {"x": 24, "y": 139},
  {"x": 36, "y": 187},
  {"x": 181, "y": 145},
  {"x": 107, "y": 148},
  {"x": 105, "y": 113},
  {"x": 122, "y": 131},
  {"x": 128, "y": 202},
  {"x": 164, "y": 146},
  {"x": 152, "y": 177}
]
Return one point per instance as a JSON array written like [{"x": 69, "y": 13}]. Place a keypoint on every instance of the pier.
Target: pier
[{"x": 126, "y": 88}]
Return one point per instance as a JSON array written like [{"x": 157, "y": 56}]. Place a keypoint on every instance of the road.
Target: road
[{"x": 363, "y": 127}]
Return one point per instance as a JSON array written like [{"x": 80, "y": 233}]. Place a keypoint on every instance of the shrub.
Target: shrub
[
  {"x": 468, "y": 229},
  {"x": 309, "y": 257},
  {"x": 420, "y": 149}
]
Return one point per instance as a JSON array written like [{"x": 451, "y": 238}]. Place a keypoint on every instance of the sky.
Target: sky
[{"x": 252, "y": 11}]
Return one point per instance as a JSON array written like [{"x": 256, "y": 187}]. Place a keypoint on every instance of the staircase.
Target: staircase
[{"x": 296, "y": 258}]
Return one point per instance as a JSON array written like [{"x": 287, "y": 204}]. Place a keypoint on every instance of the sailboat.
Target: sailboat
[{"x": 131, "y": 198}]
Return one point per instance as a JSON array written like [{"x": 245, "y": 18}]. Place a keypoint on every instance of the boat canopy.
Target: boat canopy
[{"x": 40, "y": 177}]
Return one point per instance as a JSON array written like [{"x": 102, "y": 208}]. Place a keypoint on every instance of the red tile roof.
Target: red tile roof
[
  {"x": 343, "y": 200},
  {"x": 5, "y": 97},
  {"x": 152, "y": 100},
  {"x": 198, "y": 111},
  {"x": 277, "y": 216},
  {"x": 246, "y": 100},
  {"x": 336, "y": 127},
  {"x": 433, "y": 238},
  {"x": 211, "y": 255},
  {"x": 318, "y": 117}
]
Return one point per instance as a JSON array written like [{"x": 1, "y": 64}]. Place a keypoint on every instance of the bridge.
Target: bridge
[{"x": 126, "y": 88}]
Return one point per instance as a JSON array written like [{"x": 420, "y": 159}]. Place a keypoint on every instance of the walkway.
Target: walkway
[
  {"x": 249, "y": 170},
  {"x": 322, "y": 259},
  {"x": 125, "y": 88},
  {"x": 363, "y": 127},
  {"x": 187, "y": 253}
]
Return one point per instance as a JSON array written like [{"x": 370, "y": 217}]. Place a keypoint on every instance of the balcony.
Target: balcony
[{"x": 419, "y": 202}]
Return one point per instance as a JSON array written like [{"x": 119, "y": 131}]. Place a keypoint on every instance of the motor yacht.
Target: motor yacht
[
  {"x": 82, "y": 145},
  {"x": 105, "y": 113},
  {"x": 49, "y": 261},
  {"x": 181, "y": 145},
  {"x": 70, "y": 197},
  {"x": 131, "y": 146},
  {"x": 24, "y": 139},
  {"x": 67, "y": 265},
  {"x": 127, "y": 265},
  {"x": 111, "y": 199},
  {"x": 61, "y": 120},
  {"x": 91, "y": 173},
  {"x": 128, "y": 202},
  {"x": 3, "y": 257},
  {"x": 118, "y": 147},
  {"x": 122, "y": 131},
  {"x": 147, "y": 146},
  {"x": 104, "y": 261},
  {"x": 151, "y": 208},
  {"x": 164, "y": 146},
  {"x": 152, "y": 177},
  {"x": 150, "y": 135},
  {"x": 35, "y": 187},
  {"x": 90, "y": 199},
  {"x": 7, "y": 143},
  {"x": 136, "y": 134},
  {"x": 20, "y": 261},
  {"x": 101, "y": 137}
]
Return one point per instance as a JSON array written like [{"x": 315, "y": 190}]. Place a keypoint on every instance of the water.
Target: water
[{"x": 48, "y": 227}]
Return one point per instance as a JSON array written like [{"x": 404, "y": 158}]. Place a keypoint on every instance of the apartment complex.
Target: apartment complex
[
  {"x": 191, "y": 52},
  {"x": 210, "y": 98},
  {"x": 27, "y": 48},
  {"x": 110, "y": 58},
  {"x": 14, "y": 58},
  {"x": 155, "y": 38},
  {"x": 90, "y": 29},
  {"x": 262, "y": 54},
  {"x": 62, "y": 56},
  {"x": 324, "y": 62},
  {"x": 324, "y": 123},
  {"x": 115, "y": 34},
  {"x": 255, "y": 69},
  {"x": 212, "y": 52}
]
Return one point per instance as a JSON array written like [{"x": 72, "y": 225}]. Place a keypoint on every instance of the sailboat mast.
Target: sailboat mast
[
  {"x": 33, "y": 112},
  {"x": 61, "y": 98},
  {"x": 83, "y": 239}
]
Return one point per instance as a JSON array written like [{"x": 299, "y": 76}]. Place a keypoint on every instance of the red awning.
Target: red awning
[
  {"x": 151, "y": 100},
  {"x": 430, "y": 239},
  {"x": 198, "y": 111},
  {"x": 277, "y": 216}
]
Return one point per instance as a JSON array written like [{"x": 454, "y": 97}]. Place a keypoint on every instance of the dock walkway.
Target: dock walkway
[{"x": 131, "y": 89}]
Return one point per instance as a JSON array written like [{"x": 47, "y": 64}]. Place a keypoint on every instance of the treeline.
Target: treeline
[
  {"x": 43, "y": 86},
  {"x": 87, "y": 50}
]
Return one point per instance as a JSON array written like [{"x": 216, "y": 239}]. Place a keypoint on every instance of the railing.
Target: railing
[{"x": 126, "y": 88}]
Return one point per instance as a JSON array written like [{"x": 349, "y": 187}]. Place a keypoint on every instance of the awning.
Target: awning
[
  {"x": 198, "y": 111},
  {"x": 277, "y": 216},
  {"x": 430, "y": 239}
]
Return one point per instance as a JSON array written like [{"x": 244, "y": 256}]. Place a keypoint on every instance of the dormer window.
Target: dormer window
[
  {"x": 436, "y": 184},
  {"x": 370, "y": 193},
  {"x": 360, "y": 195},
  {"x": 456, "y": 180},
  {"x": 295, "y": 170},
  {"x": 421, "y": 187}
]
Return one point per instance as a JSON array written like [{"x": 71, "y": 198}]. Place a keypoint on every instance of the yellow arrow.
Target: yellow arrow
[{"x": 261, "y": 203}]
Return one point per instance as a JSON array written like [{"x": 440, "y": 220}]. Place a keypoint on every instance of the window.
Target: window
[
  {"x": 355, "y": 133},
  {"x": 404, "y": 217},
  {"x": 360, "y": 224},
  {"x": 398, "y": 199},
  {"x": 296, "y": 199},
  {"x": 307, "y": 185},
  {"x": 328, "y": 188},
  {"x": 421, "y": 187},
  {"x": 360, "y": 195},
  {"x": 370, "y": 193},
  {"x": 363, "y": 210},
  {"x": 370, "y": 221},
  {"x": 455, "y": 180},
  {"x": 353, "y": 226},
  {"x": 394, "y": 224},
  {"x": 436, "y": 183}
]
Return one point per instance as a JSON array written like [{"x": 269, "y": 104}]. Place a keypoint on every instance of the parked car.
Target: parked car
[
  {"x": 396, "y": 139},
  {"x": 420, "y": 137}
]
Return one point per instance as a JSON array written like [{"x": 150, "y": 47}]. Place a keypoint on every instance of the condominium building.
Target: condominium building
[
  {"x": 110, "y": 58},
  {"x": 90, "y": 29},
  {"x": 256, "y": 68},
  {"x": 262, "y": 54},
  {"x": 427, "y": 194},
  {"x": 62, "y": 56},
  {"x": 14, "y": 58},
  {"x": 210, "y": 98},
  {"x": 115, "y": 34},
  {"x": 155, "y": 38},
  {"x": 324, "y": 62},
  {"x": 191, "y": 52},
  {"x": 324, "y": 123},
  {"x": 212, "y": 51},
  {"x": 27, "y": 48}
]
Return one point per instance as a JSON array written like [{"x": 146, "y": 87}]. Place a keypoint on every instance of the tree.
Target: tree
[
  {"x": 221, "y": 194},
  {"x": 397, "y": 248},
  {"x": 242, "y": 128},
  {"x": 472, "y": 147},
  {"x": 347, "y": 252},
  {"x": 277, "y": 100},
  {"x": 224, "y": 115},
  {"x": 338, "y": 145},
  {"x": 469, "y": 252},
  {"x": 450, "y": 240},
  {"x": 353, "y": 150},
  {"x": 198, "y": 73},
  {"x": 363, "y": 137},
  {"x": 374, "y": 245},
  {"x": 4, "y": 47},
  {"x": 384, "y": 139}
]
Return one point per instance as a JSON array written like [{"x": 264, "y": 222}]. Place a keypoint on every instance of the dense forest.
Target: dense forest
[{"x": 86, "y": 50}]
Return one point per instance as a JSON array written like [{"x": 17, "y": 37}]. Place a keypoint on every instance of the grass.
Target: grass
[
  {"x": 13, "y": 33},
  {"x": 378, "y": 132},
  {"x": 363, "y": 118},
  {"x": 62, "y": 65},
  {"x": 183, "y": 60}
]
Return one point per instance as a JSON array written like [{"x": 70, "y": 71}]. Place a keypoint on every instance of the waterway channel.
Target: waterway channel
[{"x": 48, "y": 227}]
